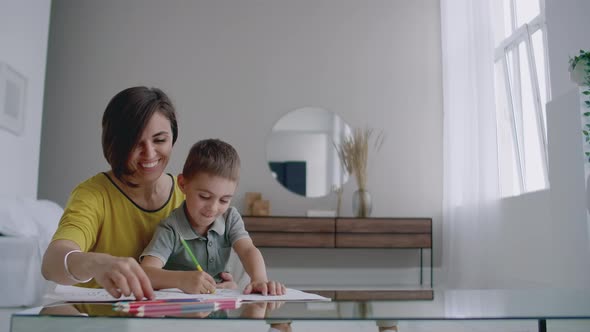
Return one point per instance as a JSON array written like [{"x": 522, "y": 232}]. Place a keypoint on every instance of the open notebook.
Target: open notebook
[{"x": 81, "y": 294}]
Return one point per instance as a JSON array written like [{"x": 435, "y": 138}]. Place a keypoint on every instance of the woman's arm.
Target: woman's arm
[
  {"x": 117, "y": 275},
  {"x": 78, "y": 229},
  {"x": 62, "y": 310},
  {"x": 53, "y": 268}
]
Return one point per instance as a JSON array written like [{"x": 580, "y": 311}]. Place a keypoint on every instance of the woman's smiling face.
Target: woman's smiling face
[{"x": 151, "y": 154}]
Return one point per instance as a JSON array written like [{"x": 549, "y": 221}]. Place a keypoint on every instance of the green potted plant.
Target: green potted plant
[{"x": 580, "y": 69}]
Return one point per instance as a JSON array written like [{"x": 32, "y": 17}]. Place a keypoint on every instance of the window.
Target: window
[{"x": 522, "y": 90}]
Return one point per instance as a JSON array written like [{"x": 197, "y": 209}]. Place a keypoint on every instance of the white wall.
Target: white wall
[
  {"x": 540, "y": 239},
  {"x": 234, "y": 67},
  {"x": 374, "y": 62},
  {"x": 24, "y": 27},
  {"x": 567, "y": 34}
]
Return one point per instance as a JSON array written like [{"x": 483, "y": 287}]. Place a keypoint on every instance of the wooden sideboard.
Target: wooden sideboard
[{"x": 312, "y": 232}]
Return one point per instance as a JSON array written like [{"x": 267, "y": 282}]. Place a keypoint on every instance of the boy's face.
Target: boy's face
[{"x": 207, "y": 197}]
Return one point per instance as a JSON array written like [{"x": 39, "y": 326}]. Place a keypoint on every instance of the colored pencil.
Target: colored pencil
[
  {"x": 190, "y": 253},
  {"x": 165, "y": 308},
  {"x": 230, "y": 303},
  {"x": 124, "y": 303},
  {"x": 176, "y": 309}
]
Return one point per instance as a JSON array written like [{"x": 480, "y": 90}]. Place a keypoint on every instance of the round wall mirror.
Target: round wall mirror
[{"x": 301, "y": 151}]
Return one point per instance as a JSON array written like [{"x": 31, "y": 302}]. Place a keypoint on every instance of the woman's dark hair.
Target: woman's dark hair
[{"x": 125, "y": 118}]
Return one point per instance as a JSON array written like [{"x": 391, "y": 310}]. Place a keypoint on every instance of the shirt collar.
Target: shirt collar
[
  {"x": 219, "y": 225},
  {"x": 186, "y": 230}
]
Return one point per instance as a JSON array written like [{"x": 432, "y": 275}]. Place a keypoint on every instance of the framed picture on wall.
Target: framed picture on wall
[{"x": 12, "y": 99}]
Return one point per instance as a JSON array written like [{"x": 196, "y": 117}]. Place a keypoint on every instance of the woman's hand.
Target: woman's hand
[
  {"x": 118, "y": 275},
  {"x": 197, "y": 282},
  {"x": 121, "y": 276},
  {"x": 270, "y": 287}
]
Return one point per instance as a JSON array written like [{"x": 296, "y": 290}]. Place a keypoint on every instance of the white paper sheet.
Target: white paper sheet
[{"x": 81, "y": 294}]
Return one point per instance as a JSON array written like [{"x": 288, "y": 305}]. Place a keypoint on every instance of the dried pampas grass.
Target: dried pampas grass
[{"x": 354, "y": 152}]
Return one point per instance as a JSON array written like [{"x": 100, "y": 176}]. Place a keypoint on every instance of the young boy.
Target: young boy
[{"x": 210, "y": 227}]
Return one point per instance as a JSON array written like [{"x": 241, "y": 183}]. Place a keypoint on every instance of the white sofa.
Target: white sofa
[{"x": 26, "y": 228}]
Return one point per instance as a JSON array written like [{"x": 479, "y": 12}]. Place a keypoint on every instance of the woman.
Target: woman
[{"x": 111, "y": 217}]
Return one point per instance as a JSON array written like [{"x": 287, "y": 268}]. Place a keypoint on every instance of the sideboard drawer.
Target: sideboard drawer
[
  {"x": 293, "y": 240},
  {"x": 384, "y": 225},
  {"x": 289, "y": 224},
  {"x": 383, "y": 233},
  {"x": 291, "y": 232},
  {"x": 383, "y": 240}
]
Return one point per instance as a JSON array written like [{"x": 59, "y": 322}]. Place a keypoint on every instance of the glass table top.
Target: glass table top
[{"x": 374, "y": 305}]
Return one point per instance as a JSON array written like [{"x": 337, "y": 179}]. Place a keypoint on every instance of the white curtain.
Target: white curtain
[{"x": 470, "y": 176}]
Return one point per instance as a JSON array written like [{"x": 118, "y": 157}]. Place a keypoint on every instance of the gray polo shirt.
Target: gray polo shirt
[{"x": 212, "y": 251}]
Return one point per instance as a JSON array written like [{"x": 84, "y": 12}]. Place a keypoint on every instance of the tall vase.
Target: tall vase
[{"x": 361, "y": 203}]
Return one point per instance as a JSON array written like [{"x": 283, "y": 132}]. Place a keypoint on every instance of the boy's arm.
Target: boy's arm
[
  {"x": 251, "y": 258},
  {"x": 193, "y": 282},
  {"x": 254, "y": 265}
]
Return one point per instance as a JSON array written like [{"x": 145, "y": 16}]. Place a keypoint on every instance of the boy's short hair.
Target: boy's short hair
[{"x": 214, "y": 157}]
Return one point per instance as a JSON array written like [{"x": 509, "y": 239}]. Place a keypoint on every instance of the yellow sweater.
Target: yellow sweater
[{"x": 99, "y": 217}]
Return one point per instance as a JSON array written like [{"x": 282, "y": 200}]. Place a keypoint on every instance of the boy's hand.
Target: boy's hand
[
  {"x": 228, "y": 281},
  {"x": 259, "y": 309},
  {"x": 266, "y": 288},
  {"x": 197, "y": 282}
]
